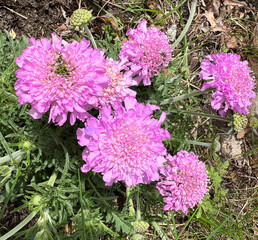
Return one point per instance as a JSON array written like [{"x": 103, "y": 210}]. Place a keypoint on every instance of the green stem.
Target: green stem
[
  {"x": 174, "y": 224},
  {"x": 85, "y": 27},
  {"x": 11, "y": 96},
  {"x": 138, "y": 210},
  {"x": 190, "y": 19},
  {"x": 15, "y": 155},
  {"x": 185, "y": 96},
  {"x": 130, "y": 201},
  {"x": 18, "y": 173},
  {"x": 105, "y": 228},
  {"x": 187, "y": 223},
  {"x": 97, "y": 192},
  {"x": 169, "y": 13},
  {"x": 204, "y": 144},
  {"x": 159, "y": 230},
  {"x": 200, "y": 115},
  {"x": 81, "y": 202},
  {"x": 19, "y": 226}
]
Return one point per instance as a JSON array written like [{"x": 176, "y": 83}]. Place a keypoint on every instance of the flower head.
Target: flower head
[
  {"x": 185, "y": 181},
  {"x": 232, "y": 80},
  {"x": 147, "y": 50},
  {"x": 80, "y": 16},
  {"x": 124, "y": 144},
  {"x": 120, "y": 82},
  {"x": 64, "y": 78}
]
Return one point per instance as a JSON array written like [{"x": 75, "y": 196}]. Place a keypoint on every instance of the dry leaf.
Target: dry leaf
[
  {"x": 216, "y": 5},
  {"x": 62, "y": 28},
  {"x": 242, "y": 133},
  {"x": 231, "y": 42},
  {"x": 12, "y": 34},
  {"x": 214, "y": 23},
  {"x": 210, "y": 17},
  {"x": 152, "y": 4},
  {"x": 114, "y": 24}
]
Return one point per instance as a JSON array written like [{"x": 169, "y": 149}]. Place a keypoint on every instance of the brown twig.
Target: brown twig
[{"x": 15, "y": 12}]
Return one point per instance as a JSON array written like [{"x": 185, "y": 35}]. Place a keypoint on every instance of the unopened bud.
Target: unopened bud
[
  {"x": 140, "y": 226},
  {"x": 80, "y": 16}
]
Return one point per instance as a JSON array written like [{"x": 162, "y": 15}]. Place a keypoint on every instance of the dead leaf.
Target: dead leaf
[
  {"x": 62, "y": 28},
  {"x": 234, "y": 3},
  {"x": 12, "y": 34},
  {"x": 216, "y": 6},
  {"x": 152, "y": 4},
  {"x": 242, "y": 133},
  {"x": 231, "y": 42},
  {"x": 114, "y": 24},
  {"x": 210, "y": 17},
  {"x": 167, "y": 72},
  {"x": 216, "y": 25}
]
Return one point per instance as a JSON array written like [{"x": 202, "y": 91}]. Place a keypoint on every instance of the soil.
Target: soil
[{"x": 41, "y": 18}]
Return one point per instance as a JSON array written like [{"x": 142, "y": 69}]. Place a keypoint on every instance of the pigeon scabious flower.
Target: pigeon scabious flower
[
  {"x": 124, "y": 144},
  {"x": 232, "y": 80},
  {"x": 60, "y": 76},
  {"x": 147, "y": 50},
  {"x": 185, "y": 181},
  {"x": 120, "y": 82}
]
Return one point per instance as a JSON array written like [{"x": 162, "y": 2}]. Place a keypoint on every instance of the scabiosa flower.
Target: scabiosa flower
[
  {"x": 124, "y": 144},
  {"x": 232, "y": 80},
  {"x": 185, "y": 181},
  {"x": 147, "y": 50},
  {"x": 120, "y": 82},
  {"x": 64, "y": 78}
]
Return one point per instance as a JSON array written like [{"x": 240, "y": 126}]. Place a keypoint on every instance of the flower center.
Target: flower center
[
  {"x": 60, "y": 67},
  {"x": 61, "y": 70}
]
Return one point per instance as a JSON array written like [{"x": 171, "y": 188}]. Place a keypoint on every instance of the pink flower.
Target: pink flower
[
  {"x": 185, "y": 181},
  {"x": 147, "y": 50},
  {"x": 124, "y": 144},
  {"x": 64, "y": 78},
  {"x": 120, "y": 82},
  {"x": 232, "y": 80}
]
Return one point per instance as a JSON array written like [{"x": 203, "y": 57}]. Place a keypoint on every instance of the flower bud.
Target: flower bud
[
  {"x": 140, "y": 226},
  {"x": 239, "y": 121},
  {"x": 80, "y": 16}
]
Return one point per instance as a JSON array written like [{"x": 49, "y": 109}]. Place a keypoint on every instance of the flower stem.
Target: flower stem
[
  {"x": 19, "y": 226},
  {"x": 184, "y": 96},
  {"x": 201, "y": 115},
  {"x": 85, "y": 27},
  {"x": 190, "y": 19},
  {"x": 138, "y": 210},
  {"x": 159, "y": 230},
  {"x": 130, "y": 201},
  {"x": 16, "y": 155}
]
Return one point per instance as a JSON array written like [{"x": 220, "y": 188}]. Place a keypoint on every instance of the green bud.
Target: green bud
[
  {"x": 240, "y": 122},
  {"x": 26, "y": 144},
  {"x": 80, "y": 16},
  {"x": 140, "y": 226},
  {"x": 36, "y": 200}
]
